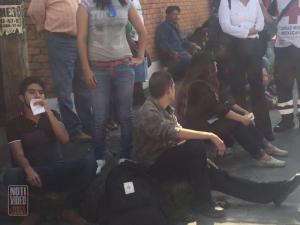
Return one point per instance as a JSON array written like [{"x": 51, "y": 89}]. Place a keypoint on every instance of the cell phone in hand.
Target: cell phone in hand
[{"x": 36, "y": 108}]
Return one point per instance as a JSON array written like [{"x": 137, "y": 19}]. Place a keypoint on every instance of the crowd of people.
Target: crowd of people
[{"x": 97, "y": 58}]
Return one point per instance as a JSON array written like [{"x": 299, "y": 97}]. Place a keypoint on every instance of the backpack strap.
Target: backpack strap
[{"x": 284, "y": 11}]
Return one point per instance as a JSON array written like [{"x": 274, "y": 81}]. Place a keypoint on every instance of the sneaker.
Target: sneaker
[
  {"x": 270, "y": 163},
  {"x": 80, "y": 138},
  {"x": 291, "y": 185},
  {"x": 274, "y": 151}
]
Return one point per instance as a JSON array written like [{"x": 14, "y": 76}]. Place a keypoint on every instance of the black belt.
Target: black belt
[{"x": 64, "y": 35}]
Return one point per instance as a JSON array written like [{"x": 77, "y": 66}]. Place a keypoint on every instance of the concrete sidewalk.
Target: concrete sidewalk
[{"x": 240, "y": 164}]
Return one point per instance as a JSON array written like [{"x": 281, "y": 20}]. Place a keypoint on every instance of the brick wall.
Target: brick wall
[{"x": 193, "y": 13}]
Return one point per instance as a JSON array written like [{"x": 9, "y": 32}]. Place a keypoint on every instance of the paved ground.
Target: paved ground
[{"x": 244, "y": 213}]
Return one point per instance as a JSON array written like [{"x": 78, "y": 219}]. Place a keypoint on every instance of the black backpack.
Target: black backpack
[{"x": 132, "y": 196}]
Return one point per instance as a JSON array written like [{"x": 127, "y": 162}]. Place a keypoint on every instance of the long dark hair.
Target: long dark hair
[
  {"x": 201, "y": 68},
  {"x": 104, "y": 4}
]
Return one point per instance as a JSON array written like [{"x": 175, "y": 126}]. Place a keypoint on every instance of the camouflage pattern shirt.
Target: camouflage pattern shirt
[{"x": 156, "y": 129}]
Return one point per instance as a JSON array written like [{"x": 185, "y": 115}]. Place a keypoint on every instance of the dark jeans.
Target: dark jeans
[
  {"x": 188, "y": 162},
  {"x": 248, "y": 54},
  {"x": 71, "y": 177},
  {"x": 248, "y": 137},
  {"x": 68, "y": 78}
]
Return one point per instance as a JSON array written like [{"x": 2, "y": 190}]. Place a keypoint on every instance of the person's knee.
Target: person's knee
[{"x": 196, "y": 149}]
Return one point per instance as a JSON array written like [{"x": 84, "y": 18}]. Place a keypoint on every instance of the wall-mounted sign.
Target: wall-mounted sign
[{"x": 11, "y": 19}]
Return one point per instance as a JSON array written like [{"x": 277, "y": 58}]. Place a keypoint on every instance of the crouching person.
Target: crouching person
[
  {"x": 34, "y": 141},
  {"x": 160, "y": 145}
]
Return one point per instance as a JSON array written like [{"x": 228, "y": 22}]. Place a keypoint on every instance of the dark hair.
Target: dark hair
[
  {"x": 159, "y": 83},
  {"x": 103, "y": 4},
  {"x": 172, "y": 8},
  {"x": 200, "y": 93},
  {"x": 200, "y": 68},
  {"x": 28, "y": 81}
]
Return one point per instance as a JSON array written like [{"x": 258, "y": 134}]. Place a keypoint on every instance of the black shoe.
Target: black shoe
[
  {"x": 290, "y": 186},
  {"x": 284, "y": 125},
  {"x": 212, "y": 211}
]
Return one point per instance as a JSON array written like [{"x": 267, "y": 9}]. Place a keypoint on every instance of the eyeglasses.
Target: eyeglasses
[{"x": 112, "y": 12}]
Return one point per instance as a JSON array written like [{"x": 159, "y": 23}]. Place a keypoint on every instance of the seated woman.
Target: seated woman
[{"x": 200, "y": 108}]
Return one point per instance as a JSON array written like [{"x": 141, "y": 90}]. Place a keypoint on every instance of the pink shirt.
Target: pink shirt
[{"x": 54, "y": 15}]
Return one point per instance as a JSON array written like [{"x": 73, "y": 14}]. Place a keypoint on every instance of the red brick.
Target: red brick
[{"x": 193, "y": 14}]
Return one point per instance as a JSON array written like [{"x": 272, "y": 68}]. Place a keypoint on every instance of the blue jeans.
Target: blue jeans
[
  {"x": 119, "y": 79},
  {"x": 72, "y": 177},
  {"x": 141, "y": 71},
  {"x": 68, "y": 78}
]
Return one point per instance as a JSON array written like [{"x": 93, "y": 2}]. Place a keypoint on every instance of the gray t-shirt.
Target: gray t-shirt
[{"x": 106, "y": 34}]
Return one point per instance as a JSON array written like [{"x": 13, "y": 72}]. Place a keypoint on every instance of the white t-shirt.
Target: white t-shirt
[
  {"x": 288, "y": 28},
  {"x": 238, "y": 20},
  {"x": 137, "y": 5}
]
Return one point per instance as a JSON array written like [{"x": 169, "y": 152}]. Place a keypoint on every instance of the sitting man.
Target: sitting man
[
  {"x": 171, "y": 46},
  {"x": 33, "y": 141},
  {"x": 174, "y": 153}
]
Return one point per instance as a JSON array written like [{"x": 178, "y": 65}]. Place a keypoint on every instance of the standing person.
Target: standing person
[
  {"x": 173, "y": 153},
  {"x": 287, "y": 58},
  {"x": 141, "y": 71},
  {"x": 58, "y": 19},
  {"x": 107, "y": 65},
  {"x": 33, "y": 141},
  {"x": 242, "y": 20}
]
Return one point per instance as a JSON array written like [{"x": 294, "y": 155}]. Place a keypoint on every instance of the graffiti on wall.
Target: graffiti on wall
[{"x": 11, "y": 19}]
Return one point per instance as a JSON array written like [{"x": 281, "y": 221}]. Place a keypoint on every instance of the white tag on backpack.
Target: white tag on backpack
[{"x": 128, "y": 188}]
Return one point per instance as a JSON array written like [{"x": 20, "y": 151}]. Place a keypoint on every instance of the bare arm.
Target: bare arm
[
  {"x": 57, "y": 126},
  {"x": 136, "y": 21},
  {"x": 19, "y": 157},
  {"x": 267, "y": 16},
  {"x": 82, "y": 31},
  {"x": 187, "y": 134},
  {"x": 37, "y": 13},
  {"x": 239, "y": 118},
  {"x": 240, "y": 109}
]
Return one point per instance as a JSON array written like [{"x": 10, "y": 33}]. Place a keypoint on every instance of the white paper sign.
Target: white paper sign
[
  {"x": 36, "y": 109},
  {"x": 128, "y": 188},
  {"x": 11, "y": 19}
]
